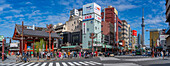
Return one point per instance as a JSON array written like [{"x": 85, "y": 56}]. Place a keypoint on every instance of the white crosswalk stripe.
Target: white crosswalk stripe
[
  {"x": 43, "y": 64},
  {"x": 83, "y": 63},
  {"x": 18, "y": 64},
  {"x": 96, "y": 62},
  {"x": 89, "y": 63},
  {"x": 24, "y": 64},
  {"x": 37, "y": 64},
  {"x": 71, "y": 63},
  {"x": 64, "y": 64},
  {"x": 30, "y": 64},
  {"x": 50, "y": 64},
  {"x": 77, "y": 63},
  {"x": 57, "y": 64}
]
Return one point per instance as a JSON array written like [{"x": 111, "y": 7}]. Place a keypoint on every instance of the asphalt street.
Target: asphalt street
[{"x": 100, "y": 61}]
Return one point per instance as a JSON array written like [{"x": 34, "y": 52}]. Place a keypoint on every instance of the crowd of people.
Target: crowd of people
[{"x": 57, "y": 54}]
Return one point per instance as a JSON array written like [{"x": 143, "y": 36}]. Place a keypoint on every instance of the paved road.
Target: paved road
[{"x": 101, "y": 61}]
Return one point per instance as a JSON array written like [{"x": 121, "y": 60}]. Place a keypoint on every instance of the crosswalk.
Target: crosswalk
[{"x": 78, "y": 63}]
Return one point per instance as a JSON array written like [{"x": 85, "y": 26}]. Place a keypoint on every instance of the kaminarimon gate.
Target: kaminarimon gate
[{"x": 32, "y": 34}]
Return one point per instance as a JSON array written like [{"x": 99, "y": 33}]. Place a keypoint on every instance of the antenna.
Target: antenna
[{"x": 142, "y": 12}]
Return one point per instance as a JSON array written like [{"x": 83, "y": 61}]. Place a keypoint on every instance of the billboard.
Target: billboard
[
  {"x": 14, "y": 45},
  {"x": 134, "y": 33},
  {"x": 91, "y": 17},
  {"x": 91, "y": 8},
  {"x": 1, "y": 37},
  {"x": 116, "y": 12},
  {"x": 84, "y": 28}
]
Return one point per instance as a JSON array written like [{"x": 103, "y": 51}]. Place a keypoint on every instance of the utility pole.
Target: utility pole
[
  {"x": 152, "y": 48},
  {"x": 92, "y": 37},
  {"x": 49, "y": 27},
  {"x": 3, "y": 50},
  {"x": 22, "y": 37}
]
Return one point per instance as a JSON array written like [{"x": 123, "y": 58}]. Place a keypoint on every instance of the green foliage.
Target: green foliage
[{"x": 39, "y": 45}]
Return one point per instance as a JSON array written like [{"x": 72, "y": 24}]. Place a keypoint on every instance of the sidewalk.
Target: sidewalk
[{"x": 10, "y": 59}]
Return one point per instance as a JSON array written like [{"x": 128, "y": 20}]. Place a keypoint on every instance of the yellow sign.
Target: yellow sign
[{"x": 116, "y": 12}]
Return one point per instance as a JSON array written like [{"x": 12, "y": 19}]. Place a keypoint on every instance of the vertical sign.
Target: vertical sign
[
  {"x": 84, "y": 28},
  {"x": 1, "y": 37}
]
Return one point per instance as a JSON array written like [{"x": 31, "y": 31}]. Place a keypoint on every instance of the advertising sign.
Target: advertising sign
[
  {"x": 162, "y": 37},
  {"x": 14, "y": 45},
  {"x": 97, "y": 45},
  {"x": 91, "y": 17},
  {"x": 84, "y": 28},
  {"x": 91, "y": 8},
  {"x": 134, "y": 33},
  {"x": 116, "y": 12},
  {"x": 1, "y": 37}
]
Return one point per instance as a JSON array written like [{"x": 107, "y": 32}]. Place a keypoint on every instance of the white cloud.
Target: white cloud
[
  {"x": 8, "y": 17},
  {"x": 125, "y": 7},
  {"x": 18, "y": 15},
  {"x": 3, "y": 6},
  {"x": 28, "y": 3}
]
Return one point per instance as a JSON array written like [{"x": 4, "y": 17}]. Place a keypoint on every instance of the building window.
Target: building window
[
  {"x": 96, "y": 28},
  {"x": 91, "y": 22},
  {"x": 75, "y": 27},
  {"x": 64, "y": 28},
  {"x": 74, "y": 22},
  {"x": 101, "y": 25},
  {"x": 84, "y": 36},
  {"x": 87, "y": 29}
]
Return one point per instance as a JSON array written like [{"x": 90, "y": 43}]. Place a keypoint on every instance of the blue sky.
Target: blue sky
[{"x": 42, "y": 12}]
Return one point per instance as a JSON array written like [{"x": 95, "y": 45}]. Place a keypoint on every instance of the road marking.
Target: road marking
[
  {"x": 77, "y": 63},
  {"x": 23, "y": 64},
  {"x": 64, "y": 64},
  {"x": 37, "y": 64},
  {"x": 141, "y": 59},
  {"x": 96, "y": 62},
  {"x": 43, "y": 64},
  {"x": 50, "y": 64},
  {"x": 108, "y": 58},
  {"x": 57, "y": 64},
  {"x": 18, "y": 63},
  {"x": 84, "y": 63},
  {"x": 122, "y": 64},
  {"x": 30, "y": 64},
  {"x": 71, "y": 64},
  {"x": 89, "y": 63}
]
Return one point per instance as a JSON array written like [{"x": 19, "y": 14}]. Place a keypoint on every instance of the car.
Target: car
[
  {"x": 109, "y": 54},
  {"x": 149, "y": 53},
  {"x": 138, "y": 52},
  {"x": 133, "y": 53}
]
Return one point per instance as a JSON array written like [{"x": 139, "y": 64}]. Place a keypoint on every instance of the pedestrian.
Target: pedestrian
[
  {"x": 68, "y": 54},
  {"x": 79, "y": 54},
  {"x": 48, "y": 55}
]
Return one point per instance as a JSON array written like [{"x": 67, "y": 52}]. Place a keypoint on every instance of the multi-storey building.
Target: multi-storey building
[
  {"x": 91, "y": 24},
  {"x": 129, "y": 36},
  {"x": 71, "y": 30},
  {"x": 107, "y": 30},
  {"x": 110, "y": 14},
  {"x": 168, "y": 20},
  {"x": 124, "y": 35},
  {"x": 139, "y": 40}
]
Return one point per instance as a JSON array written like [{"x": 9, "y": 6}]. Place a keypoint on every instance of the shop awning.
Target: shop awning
[{"x": 66, "y": 47}]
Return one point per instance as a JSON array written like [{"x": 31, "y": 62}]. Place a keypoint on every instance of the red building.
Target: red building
[
  {"x": 110, "y": 15},
  {"x": 31, "y": 35}
]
